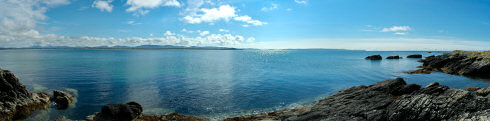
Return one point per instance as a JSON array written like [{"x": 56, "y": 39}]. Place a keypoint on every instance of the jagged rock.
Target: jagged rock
[
  {"x": 415, "y": 56},
  {"x": 118, "y": 112},
  {"x": 390, "y": 100},
  {"x": 393, "y": 57},
  {"x": 472, "y": 88},
  {"x": 62, "y": 99},
  {"x": 15, "y": 100},
  {"x": 468, "y": 63},
  {"x": 432, "y": 84},
  {"x": 374, "y": 57},
  {"x": 169, "y": 117},
  {"x": 483, "y": 92}
]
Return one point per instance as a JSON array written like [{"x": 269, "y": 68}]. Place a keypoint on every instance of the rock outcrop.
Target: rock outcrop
[
  {"x": 467, "y": 63},
  {"x": 374, "y": 57},
  {"x": 118, "y": 112},
  {"x": 392, "y": 100},
  {"x": 415, "y": 56},
  {"x": 15, "y": 100},
  {"x": 62, "y": 99},
  {"x": 132, "y": 111},
  {"x": 393, "y": 57}
]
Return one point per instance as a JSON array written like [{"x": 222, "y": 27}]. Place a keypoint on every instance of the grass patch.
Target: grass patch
[{"x": 471, "y": 54}]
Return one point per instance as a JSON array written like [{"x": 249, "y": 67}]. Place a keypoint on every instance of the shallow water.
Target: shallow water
[{"x": 209, "y": 83}]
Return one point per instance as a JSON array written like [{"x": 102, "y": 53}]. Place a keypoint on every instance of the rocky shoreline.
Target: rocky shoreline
[{"x": 468, "y": 63}]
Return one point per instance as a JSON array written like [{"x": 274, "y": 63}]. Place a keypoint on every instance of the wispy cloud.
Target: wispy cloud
[
  {"x": 270, "y": 8},
  {"x": 103, "y": 5},
  {"x": 396, "y": 29},
  {"x": 141, "y": 7},
  {"x": 304, "y": 2},
  {"x": 223, "y": 12}
]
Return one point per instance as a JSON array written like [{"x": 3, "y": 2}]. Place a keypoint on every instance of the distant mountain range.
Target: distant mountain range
[{"x": 128, "y": 47}]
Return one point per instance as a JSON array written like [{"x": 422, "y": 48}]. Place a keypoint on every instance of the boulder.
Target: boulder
[
  {"x": 415, "y": 56},
  {"x": 62, "y": 99},
  {"x": 119, "y": 112},
  {"x": 374, "y": 57},
  {"x": 15, "y": 100},
  {"x": 393, "y": 57}
]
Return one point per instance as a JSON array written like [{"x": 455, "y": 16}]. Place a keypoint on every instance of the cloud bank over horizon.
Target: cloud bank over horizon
[{"x": 26, "y": 23}]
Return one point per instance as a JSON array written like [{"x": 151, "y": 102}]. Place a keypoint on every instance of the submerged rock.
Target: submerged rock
[
  {"x": 62, "y": 99},
  {"x": 393, "y": 57},
  {"x": 390, "y": 100},
  {"x": 374, "y": 57},
  {"x": 415, "y": 56},
  {"x": 470, "y": 63},
  {"x": 15, "y": 100}
]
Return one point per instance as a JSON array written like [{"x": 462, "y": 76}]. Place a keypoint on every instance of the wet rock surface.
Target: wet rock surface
[
  {"x": 389, "y": 100},
  {"x": 469, "y": 63},
  {"x": 118, "y": 112},
  {"x": 62, "y": 99},
  {"x": 132, "y": 111},
  {"x": 393, "y": 57},
  {"x": 374, "y": 57},
  {"x": 415, "y": 56},
  {"x": 15, "y": 100}
]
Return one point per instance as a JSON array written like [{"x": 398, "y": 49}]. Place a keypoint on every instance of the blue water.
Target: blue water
[{"x": 212, "y": 84}]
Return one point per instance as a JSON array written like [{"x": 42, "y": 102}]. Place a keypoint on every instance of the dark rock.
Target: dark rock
[
  {"x": 393, "y": 57},
  {"x": 472, "y": 88},
  {"x": 62, "y": 99},
  {"x": 458, "y": 62},
  {"x": 15, "y": 100},
  {"x": 374, "y": 57},
  {"x": 169, "y": 117},
  {"x": 483, "y": 92},
  {"x": 119, "y": 112},
  {"x": 415, "y": 56},
  {"x": 390, "y": 100},
  {"x": 432, "y": 84}
]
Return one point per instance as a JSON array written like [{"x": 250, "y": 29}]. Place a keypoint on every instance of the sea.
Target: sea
[{"x": 212, "y": 84}]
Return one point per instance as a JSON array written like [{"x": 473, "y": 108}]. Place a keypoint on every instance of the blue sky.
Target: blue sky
[{"x": 268, "y": 24}]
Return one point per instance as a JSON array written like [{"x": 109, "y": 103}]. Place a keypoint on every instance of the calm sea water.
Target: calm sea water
[{"x": 209, "y": 83}]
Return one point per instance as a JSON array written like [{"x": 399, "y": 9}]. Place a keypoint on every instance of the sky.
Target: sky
[{"x": 263, "y": 24}]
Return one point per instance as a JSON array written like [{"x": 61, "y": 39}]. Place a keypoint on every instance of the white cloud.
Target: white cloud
[
  {"x": 396, "y": 28},
  {"x": 224, "y": 12},
  {"x": 187, "y": 31},
  {"x": 103, "y": 5},
  {"x": 224, "y": 30},
  {"x": 289, "y": 9},
  {"x": 272, "y": 7},
  {"x": 301, "y": 1},
  {"x": 168, "y": 33},
  {"x": 246, "y": 25},
  {"x": 249, "y": 20},
  {"x": 133, "y": 22},
  {"x": 140, "y": 7},
  {"x": 55, "y": 2},
  {"x": 401, "y": 33},
  {"x": 203, "y": 33}
]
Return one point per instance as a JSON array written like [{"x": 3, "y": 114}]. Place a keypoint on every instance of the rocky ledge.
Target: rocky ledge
[
  {"x": 15, "y": 100},
  {"x": 469, "y": 63},
  {"x": 392, "y": 100}
]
